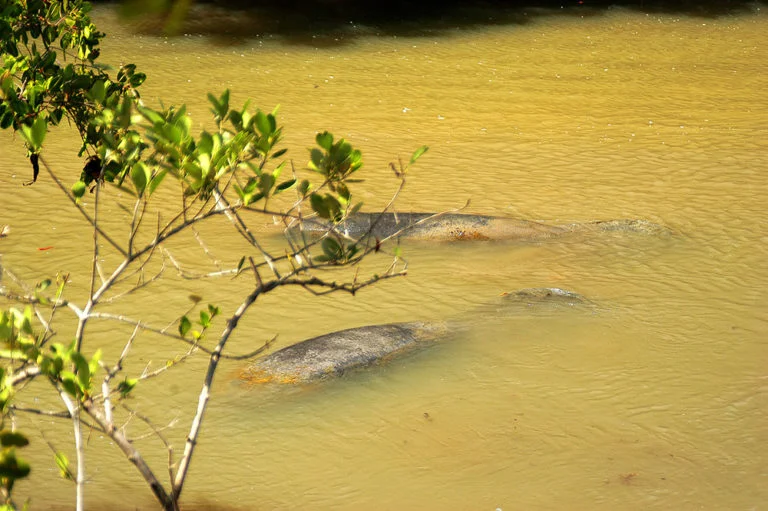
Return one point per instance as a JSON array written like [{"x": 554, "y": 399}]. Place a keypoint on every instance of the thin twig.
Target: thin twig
[
  {"x": 132, "y": 454},
  {"x": 105, "y": 390},
  {"x": 95, "y": 260}
]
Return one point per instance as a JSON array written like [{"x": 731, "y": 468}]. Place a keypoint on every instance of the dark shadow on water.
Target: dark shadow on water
[{"x": 329, "y": 23}]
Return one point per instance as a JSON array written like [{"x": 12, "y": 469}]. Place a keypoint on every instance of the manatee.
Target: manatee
[
  {"x": 535, "y": 301},
  {"x": 538, "y": 295},
  {"x": 542, "y": 299},
  {"x": 335, "y": 353},
  {"x": 459, "y": 226}
]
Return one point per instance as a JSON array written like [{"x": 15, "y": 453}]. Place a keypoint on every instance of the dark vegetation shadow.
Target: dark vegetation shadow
[{"x": 327, "y": 23}]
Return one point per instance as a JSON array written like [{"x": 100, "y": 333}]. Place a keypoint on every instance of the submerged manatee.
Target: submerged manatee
[
  {"x": 333, "y": 354},
  {"x": 458, "y": 226},
  {"x": 538, "y": 295},
  {"x": 542, "y": 300},
  {"x": 536, "y": 301}
]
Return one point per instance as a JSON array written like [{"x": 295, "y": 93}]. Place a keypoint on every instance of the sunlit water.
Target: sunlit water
[{"x": 655, "y": 398}]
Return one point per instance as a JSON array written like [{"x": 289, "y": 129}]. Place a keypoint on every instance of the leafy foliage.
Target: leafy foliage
[{"x": 49, "y": 74}]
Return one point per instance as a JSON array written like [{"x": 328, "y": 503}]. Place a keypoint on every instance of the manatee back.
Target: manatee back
[{"x": 334, "y": 353}]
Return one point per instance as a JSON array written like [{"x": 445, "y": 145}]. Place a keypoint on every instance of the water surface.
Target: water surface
[{"x": 656, "y": 399}]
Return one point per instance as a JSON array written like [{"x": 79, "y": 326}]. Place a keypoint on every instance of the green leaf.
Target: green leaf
[
  {"x": 156, "y": 180},
  {"x": 6, "y": 120},
  {"x": 279, "y": 153},
  {"x": 278, "y": 170},
  {"x": 319, "y": 206},
  {"x": 152, "y": 116},
  {"x": 93, "y": 365},
  {"x": 63, "y": 463},
  {"x": 126, "y": 386},
  {"x": 220, "y": 105},
  {"x": 331, "y": 249},
  {"x": 266, "y": 182},
  {"x": 35, "y": 135},
  {"x": 236, "y": 118},
  {"x": 83, "y": 370},
  {"x": 12, "y": 467},
  {"x": 343, "y": 191},
  {"x": 140, "y": 176},
  {"x": 12, "y": 439},
  {"x": 205, "y": 319},
  {"x": 417, "y": 154},
  {"x": 184, "y": 325},
  {"x": 68, "y": 382},
  {"x": 285, "y": 185},
  {"x": 333, "y": 206},
  {"x": 13, "y": 354},
  {"x": 316, "y": 160},
  {"x": 137, "y": 79},
  {"x": 324, "y": 140},
  {"x": 98, "y": 91},
  {"x": 263, "y": 123},
  {"x": 78, "y": 189}
]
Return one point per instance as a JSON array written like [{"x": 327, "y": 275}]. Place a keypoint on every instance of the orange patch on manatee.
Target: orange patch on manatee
[
  {"x": 259, "y": 377},
  {"x": 468, "y": 235}
]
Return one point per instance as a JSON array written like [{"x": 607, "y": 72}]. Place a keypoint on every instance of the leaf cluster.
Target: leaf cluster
[
  {"x": 49, "y": 73},
  {"x": 48, "y": 52}
]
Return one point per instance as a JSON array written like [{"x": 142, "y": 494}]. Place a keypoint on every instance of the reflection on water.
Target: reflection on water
[{"x": 656, "y": 398}]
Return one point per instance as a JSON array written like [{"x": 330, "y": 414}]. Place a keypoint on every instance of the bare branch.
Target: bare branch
[
  {"x": 206, "y": 250},
  {"x": 202, "y": 404},
  {"x": 64, "y": 414},
  {"x": 155, "y": 430},
  {"x": 25, "y": 374},
  {"x": 240, "y": 225},
  {"x": 105, "y": 390},
  {"x": 74, "y": 412},
  {"x": 133, "y": 455},
  {"x": 186, "y": 274},
  {"x": 136, "y": 219},
  {"x": 163, "y": 332},
  {"x": 95, "y": 261},
  {"x": 141, "y": 284},
  {"x": 32, "y": 300},
  {"x": 54, "y": 308}
]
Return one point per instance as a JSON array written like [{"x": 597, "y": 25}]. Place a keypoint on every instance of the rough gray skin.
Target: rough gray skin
[
  {"x": 335, "y": 353},
  {"x": 332, "y": 354},
  {"x": 457, "y": 226},
  {"x": 534, "y": 295},
  {"x": 542, "y": 299}
]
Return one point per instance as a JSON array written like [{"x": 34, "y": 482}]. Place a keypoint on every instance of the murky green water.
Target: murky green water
[{"x": 655, "y": 399}]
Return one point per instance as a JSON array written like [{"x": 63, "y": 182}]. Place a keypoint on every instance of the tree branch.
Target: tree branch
[{"x": 74, "y": 412}]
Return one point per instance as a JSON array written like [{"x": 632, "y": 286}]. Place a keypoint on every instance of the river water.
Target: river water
[{"x": 655, "y": 398}]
